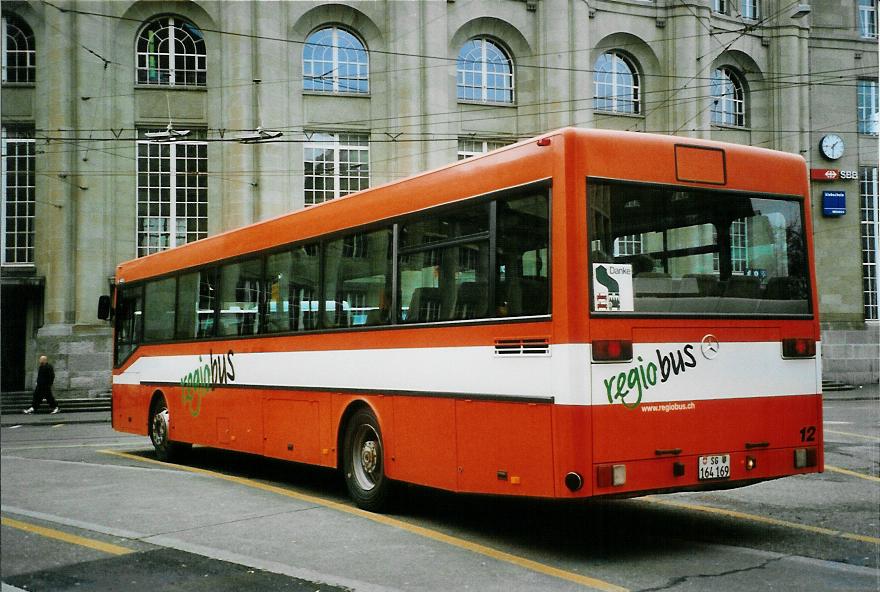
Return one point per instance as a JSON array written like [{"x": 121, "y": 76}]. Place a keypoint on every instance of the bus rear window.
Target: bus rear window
[{"x": 672, "y": 250}]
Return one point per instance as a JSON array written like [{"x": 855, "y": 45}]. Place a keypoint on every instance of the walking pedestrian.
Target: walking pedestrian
[{"x": 45, "y": 378}]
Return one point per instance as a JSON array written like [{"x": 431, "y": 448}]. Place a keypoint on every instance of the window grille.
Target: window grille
[
  {"x": 868, "y": 107},
  {"x": 468, "y": 147},
  {"x": 19, "y": 197},
  {"x": 172, "y": 206},
  {"x": 335, "y": 61},
  {"x": 868, "y": 18},
  {"x": 728, "y": 98},
  {"x": 750, "y": 9},
  {"x": 335, "y": 164},
  {"x": 484, "y": 72},
  {"x": 18, "y": 52},
  {"x": 171, "y": 52},
  {"x": 870, "y": 223},
  {"x": 616, "y": 83}
]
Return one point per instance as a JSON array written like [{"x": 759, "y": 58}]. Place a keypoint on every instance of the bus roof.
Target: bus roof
[{"x": 603, "y": 153}]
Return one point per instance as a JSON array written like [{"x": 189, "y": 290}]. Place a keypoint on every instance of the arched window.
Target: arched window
[
  {"x": 171, "y": 52},
  {"x": 485, "y": 72},
  {"x": 728, "y": 98},
  {"x": 617, "y": 84},
  {"x": 19, "y": 55},
  {"x": 335, "y": 61}
]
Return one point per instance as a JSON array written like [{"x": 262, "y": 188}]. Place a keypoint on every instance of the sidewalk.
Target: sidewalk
[
  {"x": 865, "y": 392},
  {"x": 45, "y": 419},
  {"x": 868, "y": 392}
]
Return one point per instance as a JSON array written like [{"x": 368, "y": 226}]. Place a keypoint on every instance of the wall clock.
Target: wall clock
[{"x": 831, "y": 146}]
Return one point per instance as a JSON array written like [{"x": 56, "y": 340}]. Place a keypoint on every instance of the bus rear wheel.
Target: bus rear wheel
[
  {"x": 160, "y": 420},
  {"x": 363, "y": 462}
]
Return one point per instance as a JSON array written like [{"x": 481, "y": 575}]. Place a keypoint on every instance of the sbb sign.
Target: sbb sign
[{"x": 833, "y": 175}]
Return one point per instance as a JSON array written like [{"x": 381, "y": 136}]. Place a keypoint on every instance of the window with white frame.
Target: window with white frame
[
  {"x": 171, "y": 52},
  {"x": 484, "y": 72},
  {"x": 868, "y": 18},
  {"x": 335, "y": 164},
  {"x": 870, "y": 218},
  {"x": 616, "y": 83},
  {"x": 628, "y": 244},
  {"x": 868, "y": 107},
  {"x": 720, "y": 6},
  {"x": 335, "y": 61},
  {"x": 739, "y": 245},
  {"x": 728, "y": 98},
  {"x": 19, "y": 197},
  {"x": 750, "y": 9},
  {"x": 468, "y": 147},
  {"x": 18, "y": 52},
  {"x": 172, "y": 186}
]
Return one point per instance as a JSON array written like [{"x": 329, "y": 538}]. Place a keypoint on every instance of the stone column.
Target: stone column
[
  {"x": 234, "y": 194},
  {"x": 57, "y": 188}
]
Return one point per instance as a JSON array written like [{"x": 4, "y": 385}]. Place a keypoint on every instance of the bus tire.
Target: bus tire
[
  {"x": 160, "y": 418},
  {"x": 363, "y": 462}
]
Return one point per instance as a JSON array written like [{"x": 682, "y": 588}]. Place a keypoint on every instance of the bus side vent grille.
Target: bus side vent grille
[{"x": 522, "y": 347}]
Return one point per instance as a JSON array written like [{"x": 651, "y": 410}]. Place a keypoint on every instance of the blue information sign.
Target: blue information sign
[{"x": 833, "y": 203}]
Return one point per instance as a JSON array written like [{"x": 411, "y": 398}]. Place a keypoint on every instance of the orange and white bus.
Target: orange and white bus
[{"x": 588, "y": 313}]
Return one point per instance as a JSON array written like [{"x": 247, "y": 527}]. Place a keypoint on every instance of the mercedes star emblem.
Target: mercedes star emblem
[{"x": 710, "y": 346}]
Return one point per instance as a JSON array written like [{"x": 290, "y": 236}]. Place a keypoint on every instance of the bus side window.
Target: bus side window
[
  {"x": 241, "y": 296},
  {"x": 159, "y": 296},
  {"x": 357, "y": 279},
  {"x": 129, "y": 322},
  {"x": 196, "y": 304},
  {"x": 522, "y": 287}
]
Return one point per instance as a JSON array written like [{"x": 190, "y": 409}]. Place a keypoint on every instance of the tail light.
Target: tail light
[
  {"x": 805, "y": 457},
  {"x": 612, "y": 350},
  {"x": 799, "y": 348},
  {"x": 611, "y": 475}
]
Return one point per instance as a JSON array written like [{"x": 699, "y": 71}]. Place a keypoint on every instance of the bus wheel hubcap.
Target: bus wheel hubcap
[
  {"x": 368, "y": 456},
  {"x": 160, "y": 427}
]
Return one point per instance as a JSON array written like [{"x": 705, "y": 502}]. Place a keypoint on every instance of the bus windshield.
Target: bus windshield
[{"x": 684, "y": 251}]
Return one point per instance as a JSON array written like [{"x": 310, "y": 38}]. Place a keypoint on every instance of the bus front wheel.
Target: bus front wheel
[
  {"x": 160, "y": 420},
  {"x": 363, "y": 458}
]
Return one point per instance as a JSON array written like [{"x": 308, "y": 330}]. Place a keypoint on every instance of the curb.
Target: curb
[{"x": 28, "y": 421}]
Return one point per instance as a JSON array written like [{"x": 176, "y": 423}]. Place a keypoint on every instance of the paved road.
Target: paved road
[{"x": 85, "y": 508}]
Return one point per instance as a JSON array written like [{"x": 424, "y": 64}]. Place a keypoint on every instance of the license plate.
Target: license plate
[{"x": 713, "y": 467}]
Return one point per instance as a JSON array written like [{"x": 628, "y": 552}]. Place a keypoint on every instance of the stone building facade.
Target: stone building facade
[{"x": 367, "y": 92}]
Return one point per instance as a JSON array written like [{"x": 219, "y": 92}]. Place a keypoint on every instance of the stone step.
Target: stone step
[{"x": 836, "y": 385}]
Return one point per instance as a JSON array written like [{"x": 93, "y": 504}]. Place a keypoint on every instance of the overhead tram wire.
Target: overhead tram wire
[
  {"x": 283, "y": 172},
  {"x": 447, "y": 59},
  {"x": 479, "y": 113},
  {"x": 745, "y": 30},
  {"x": 709, "y": 104}
]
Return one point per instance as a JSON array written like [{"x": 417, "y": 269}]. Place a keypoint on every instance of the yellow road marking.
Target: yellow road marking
[
  {"x": 395, "y": 523},
  {"x": 851, "y": 435},
  {"x": 66, "y": 537},
  {"x": 852, "y": 473},
  {"x": 763, "y": 520}
]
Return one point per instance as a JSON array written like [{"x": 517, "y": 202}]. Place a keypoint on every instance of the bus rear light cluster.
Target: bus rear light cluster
[
  {"x": 798, "y": 348},
  {"x": 611, "y": 475},
  {"x": 751, "y": 463},
  {"x": 805, "y": 457},
  {"x": 612, "y": 350}
]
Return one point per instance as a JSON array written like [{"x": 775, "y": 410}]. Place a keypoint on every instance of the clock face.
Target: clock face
[{"x": 832, "y": 146}]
